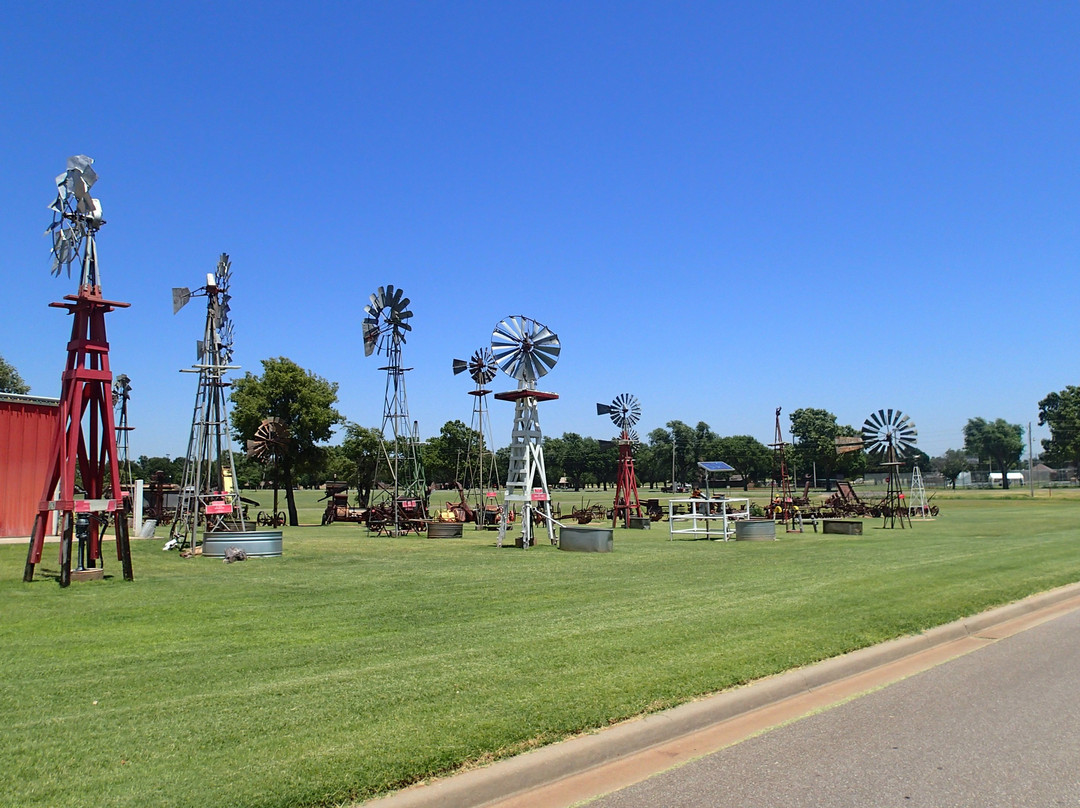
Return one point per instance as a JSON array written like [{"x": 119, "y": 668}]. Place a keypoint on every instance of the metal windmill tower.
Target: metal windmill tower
[
  {"x": 481, "y": 472},
  {"x": 384, "y": 329},
  {"x": 625, "y": 412},
  {"x": 121, "y": 393},
  {"x": 889, "y": 434},
  {"x": 526, "y": 350},
  {"x": 85, "y": 438},
  {"x": 918, "y": 503},
  {"x": 785, "y": 502},
  {"x": 208, "y": 494}
]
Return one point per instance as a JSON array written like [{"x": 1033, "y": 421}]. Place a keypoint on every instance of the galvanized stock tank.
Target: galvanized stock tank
[{"x": 256, "y": 543}]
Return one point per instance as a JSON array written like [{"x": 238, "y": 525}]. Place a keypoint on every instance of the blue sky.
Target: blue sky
[{"x": 721, "y": 208}]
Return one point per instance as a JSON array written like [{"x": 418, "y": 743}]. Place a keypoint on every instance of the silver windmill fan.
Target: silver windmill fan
[
  {"x": 481, "y": 366},
  {"x": 624, "y": 410},
  {"x": 387, "y": 317},
  {"x": 889, "y": 433},
  {"x": 222, "y": 324},
  {"x": 524, "y": 348},
  {"x": 76, "y": 218}
]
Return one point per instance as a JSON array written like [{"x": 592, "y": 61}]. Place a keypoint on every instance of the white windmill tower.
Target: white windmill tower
[
  {"x": 384, "y": 329},
  {"x": 480, "y": 467},
  {"x": 209, "y": 493},
  {"x": 526, "y": 350}
]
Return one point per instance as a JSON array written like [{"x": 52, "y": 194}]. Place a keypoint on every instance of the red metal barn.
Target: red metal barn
[{"x": 27, "y": 429}]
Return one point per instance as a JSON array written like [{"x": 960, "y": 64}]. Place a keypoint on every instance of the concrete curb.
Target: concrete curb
[{"x": 549, "y": 764}]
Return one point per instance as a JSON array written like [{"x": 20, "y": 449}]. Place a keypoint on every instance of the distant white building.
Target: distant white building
[{"x": 1015, "y": 478}]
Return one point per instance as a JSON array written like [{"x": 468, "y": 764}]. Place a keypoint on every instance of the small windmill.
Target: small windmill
[
  {"x": 209, "y": 494},
  {"x": 384, "y": 329},
  {"x": 526, "y": 350},
  {"x": 480, "y": 466},
  {"x": 85, "y": 437},
  {"x": 624, "y": 412},
  {"x": 270, "y": 443},
  {"x": 784, "y": 504},
  {"x": 889, "y": 435}
]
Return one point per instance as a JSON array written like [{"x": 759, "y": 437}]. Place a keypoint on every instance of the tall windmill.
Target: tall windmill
[
  {"x": 208, "y": 494},
  {"x": 889, "y": 435},
  {"x": 85, "y": 437},
  {"x": 526, "y": 350},
  {"x": 121, "y": 394},
  {"x": 624, "y": 412},
  {"x": 480, "y": 466},
  {"x": 384, "y": 330}
]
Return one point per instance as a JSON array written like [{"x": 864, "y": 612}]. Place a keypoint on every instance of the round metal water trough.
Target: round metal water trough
[
  {"x": 444, "y": 530},
  {"x": 755, "y": 530},
  {"x": 262, "y": 543}
]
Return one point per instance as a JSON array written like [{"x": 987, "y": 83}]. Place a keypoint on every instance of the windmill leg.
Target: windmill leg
[
  {"x": 123, "y": 544},
  {"x": 65, "y": 550}
]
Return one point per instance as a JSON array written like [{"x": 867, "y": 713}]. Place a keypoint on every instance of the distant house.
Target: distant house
[{"x": 1015, "y": 478}]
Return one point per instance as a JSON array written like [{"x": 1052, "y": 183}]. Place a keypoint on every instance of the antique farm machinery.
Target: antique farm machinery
[
  {"x": 85, "y": 439},
  {"x": 526, "y": 350}
]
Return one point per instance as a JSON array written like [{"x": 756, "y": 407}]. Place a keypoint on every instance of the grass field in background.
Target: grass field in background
[{"x": 353, "y": 664}]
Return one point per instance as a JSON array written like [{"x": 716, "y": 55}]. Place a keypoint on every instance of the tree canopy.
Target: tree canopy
[
  {"x": 10, "y": 380},
  {"x": 1061, "y": 412},
  {"x": 815, "y": 431},
  {"x": 751, "y": 459},
  {"x": 951, "y": 465},
  {"x": 302, "y": 400},
  {"x": 998, "y": 441}
]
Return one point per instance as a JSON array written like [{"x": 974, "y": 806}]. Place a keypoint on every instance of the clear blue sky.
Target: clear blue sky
[{"x": 720, "y": 207}]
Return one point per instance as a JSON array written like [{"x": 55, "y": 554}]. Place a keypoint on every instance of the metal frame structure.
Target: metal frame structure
[
  {"x": 917, "y": 497},
  {"x": 787, "y": 498},
  {"x": 208, "y": 493},
  {"x": 384, "y": 330},
  {"x": 624, "y": 412},
  {"x": 85, "y": 438},
  {"x": 526, "y": 350},
  {"x": 121, "y": 396}
]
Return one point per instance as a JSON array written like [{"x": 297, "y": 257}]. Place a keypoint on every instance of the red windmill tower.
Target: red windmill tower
[
  {"x": 85, "y": 439},
  {"x": 625, "y": 412}
]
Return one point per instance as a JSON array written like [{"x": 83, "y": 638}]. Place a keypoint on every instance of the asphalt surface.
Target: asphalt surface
[
  {"x": 999, "y": 726},
  {"x": 980, "y": 712}
]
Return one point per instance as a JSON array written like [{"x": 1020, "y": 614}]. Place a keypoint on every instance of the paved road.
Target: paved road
[{"x": 997, "y": 727}]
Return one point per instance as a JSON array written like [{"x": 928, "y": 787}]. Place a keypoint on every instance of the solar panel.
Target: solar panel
[{"x": 714, "y": 465}]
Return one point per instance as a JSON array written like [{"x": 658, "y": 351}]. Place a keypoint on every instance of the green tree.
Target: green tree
[
  {"x": 915, "y": 457},
  {"x": 360, "y": 452},
  {"x": 10, "y": 380},
  {"x": 677, "y": 446},
  {"x": 445, "y": 455},
  {"x": 998, "y": 441},
  {"x": 814, "y": 432},
  {"x": 302, "y": 400},
  {"x": 951, "y": 465},
  {"x": 751, "y": 459},
  {"x": 1061, "y": 411}
]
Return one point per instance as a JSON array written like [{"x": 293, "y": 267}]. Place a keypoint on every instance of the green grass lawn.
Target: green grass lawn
[{"x": 353, "y": 665}]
